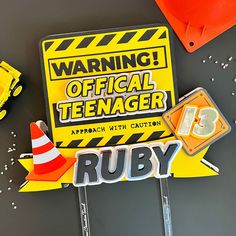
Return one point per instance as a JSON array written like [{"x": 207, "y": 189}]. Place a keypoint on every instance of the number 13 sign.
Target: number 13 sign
[
  {"x": 196, "y": 121},
  {"x": 203, "y": 128}
]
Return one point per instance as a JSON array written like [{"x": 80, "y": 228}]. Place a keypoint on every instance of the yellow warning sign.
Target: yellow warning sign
[{"x": 110, "y": 87}]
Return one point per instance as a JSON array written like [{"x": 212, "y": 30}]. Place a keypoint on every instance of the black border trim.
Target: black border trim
[{"x": 89, "y": 32}]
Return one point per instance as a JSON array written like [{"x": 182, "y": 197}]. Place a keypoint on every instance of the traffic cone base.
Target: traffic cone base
[
  {"x": 54, "y": 175},
  {"x": 198, "y": 22}
]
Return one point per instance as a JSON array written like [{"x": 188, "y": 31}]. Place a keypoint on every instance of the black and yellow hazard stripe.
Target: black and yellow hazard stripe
[
  {"x": 119, "y": 38},
  {"x": 114, "y": 140}
]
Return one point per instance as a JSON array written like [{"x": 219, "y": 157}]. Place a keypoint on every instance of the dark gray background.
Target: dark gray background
[{"x": 201, "y": 206}]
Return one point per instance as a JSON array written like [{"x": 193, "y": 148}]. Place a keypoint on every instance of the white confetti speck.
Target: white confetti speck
[
  {"x": 203, "y": 61},
  {"x": 212, "y": 79},
  {"x": 233, "y": 93},
  {"x": 14, "y": 207},
  {"x": 12, "y": 203},
  {"x": 9, "y": 188},
  {"x": 10, "y": 181},
  {"x": 210, "y": 57},
  {"x": 2, "y": 173},
  {"x": 230, "y": 58},
  {"x": 12, "y": 159},
  {"x": 12, "y": 163},
  {"x": 0, "y": 191}
]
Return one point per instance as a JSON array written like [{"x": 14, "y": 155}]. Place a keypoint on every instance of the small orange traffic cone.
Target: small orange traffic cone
[{"x": 49, "y": 164}]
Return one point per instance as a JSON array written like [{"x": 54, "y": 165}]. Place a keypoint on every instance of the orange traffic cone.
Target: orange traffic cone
[
  {"x": 196, "y": 22},
  {"x": 49, "y": 164}
]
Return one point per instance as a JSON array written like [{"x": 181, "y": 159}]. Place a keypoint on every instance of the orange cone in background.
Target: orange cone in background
[
  {"x": 196, "y": 22},
  {"x": 49, "y": 164}
]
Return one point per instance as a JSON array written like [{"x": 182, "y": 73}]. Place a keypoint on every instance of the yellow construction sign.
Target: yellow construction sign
[{"x": 107, "y": 88}]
